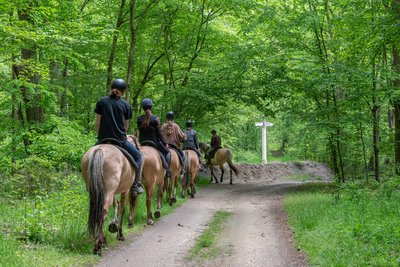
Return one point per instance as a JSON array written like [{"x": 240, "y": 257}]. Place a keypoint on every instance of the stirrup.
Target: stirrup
[{"x": 137, "y": 189}]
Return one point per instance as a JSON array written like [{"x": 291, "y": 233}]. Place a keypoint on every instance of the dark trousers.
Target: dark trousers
[{"x": 137, "y": 156}]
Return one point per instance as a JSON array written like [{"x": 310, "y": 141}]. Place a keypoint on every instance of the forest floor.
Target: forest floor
[{"x": 256, "y": 234}]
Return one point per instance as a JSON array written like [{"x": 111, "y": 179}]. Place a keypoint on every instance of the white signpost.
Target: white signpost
[{"x": 264, "y": 124}]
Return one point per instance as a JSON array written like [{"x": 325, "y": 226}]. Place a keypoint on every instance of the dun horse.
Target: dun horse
[
  {"x": 172, "y": 184},
  {"x": 106, "y": 172},
  {"x": 153, "y": 174},
  {"x": 192, "y": 166},
  {"x": 223, "y": 155}
]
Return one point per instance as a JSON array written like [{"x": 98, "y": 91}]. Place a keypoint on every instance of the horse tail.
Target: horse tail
[
  {"x": 228, "y": 157},
  {"x": 95, "y": 191}
]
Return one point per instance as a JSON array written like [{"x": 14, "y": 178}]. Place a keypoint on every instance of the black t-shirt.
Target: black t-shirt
[
  {"x": 152, "y": 132},
  {"x": 114, "y": 112}
]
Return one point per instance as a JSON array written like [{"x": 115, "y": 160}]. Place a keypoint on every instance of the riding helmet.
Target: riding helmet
[
  {"x": 119, "y": 84},
  {"x": 170, "y": 115},
  {"x": 147, "y": 103},
  {"x": 213, "y": 131},
  {"x": 189, "y": 123}
]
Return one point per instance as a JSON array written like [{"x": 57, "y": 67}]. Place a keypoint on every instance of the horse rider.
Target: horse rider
[
  {"x": 191, "y": 141},
  {"x": 112, "y": 123},
  {"x": 173, "y": 135},
  {"x": 215, "y": 144},
  {"x": 150, "y": 133}
]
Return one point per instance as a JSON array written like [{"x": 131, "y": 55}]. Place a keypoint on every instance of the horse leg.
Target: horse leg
[
  {"x": 230, "y": 171},
  {"x": 101, "y": 238},
  {"x": 133, "y": 201},
  {"x": 213, "y": 175},
  {"x": 175, "y": 189},
  {"x": 149, "y": 194},
  {"x": 222, "y": 173},
  {"x": 184, "y": 184},
  {"x": 121, "y": 212},
  {"x": 113, "y": 227},
  {"x": 169, "y": 191},
  {"x": 157, "y": 213},
  {"x": 193, "y": 183}
]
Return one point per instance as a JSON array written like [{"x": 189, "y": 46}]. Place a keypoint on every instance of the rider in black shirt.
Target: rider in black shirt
[
  {"x": 112, "y": 122},
  {"x": 150, "y": 134}
]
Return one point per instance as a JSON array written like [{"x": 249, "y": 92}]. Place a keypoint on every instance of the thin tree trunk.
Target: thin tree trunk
[
  {"x": 132, "y": 48},
  {"x": 396, "y": 84},
  {"x": 111, "y": 58}
]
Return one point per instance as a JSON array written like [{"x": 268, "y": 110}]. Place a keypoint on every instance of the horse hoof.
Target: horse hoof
[
  {"x": 150, "y": 222},
  {"x": 130, "y": 225},
  {"x": 113, "y": 227},
  {"x": 121, "y": 238},
  {"x": 173, "y": 200},
  {"x": 157, "y": 214},
  {"x": 97, "y": 251}
]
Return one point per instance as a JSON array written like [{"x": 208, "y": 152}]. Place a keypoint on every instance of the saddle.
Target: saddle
[
  {"x": 117, "y": 144},
  {"x": 162, "y": 156},
  {"x": 211, "y": 152},
  {"x": 180, "y": 156}
]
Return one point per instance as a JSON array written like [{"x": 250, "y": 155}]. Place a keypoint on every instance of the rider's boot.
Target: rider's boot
[{"x": 137, "y": 187}]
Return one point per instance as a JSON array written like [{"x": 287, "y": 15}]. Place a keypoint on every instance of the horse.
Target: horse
[
  {"x": 153, "y": 173},
  {"x": 172, "y": 184},
  {"x": 106, "y": 172},
  {"x": 223, "y": 155},
  {"x": 191, "y": 167}
]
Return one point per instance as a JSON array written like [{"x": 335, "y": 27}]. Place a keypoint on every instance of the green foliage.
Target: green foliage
[{"x": 354, "y": 226}]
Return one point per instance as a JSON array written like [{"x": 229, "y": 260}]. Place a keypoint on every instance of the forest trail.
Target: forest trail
[{"x": 255, "y": 235}]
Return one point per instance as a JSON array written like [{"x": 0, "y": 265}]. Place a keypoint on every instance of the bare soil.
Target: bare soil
[{"x": 256, "y": 234}]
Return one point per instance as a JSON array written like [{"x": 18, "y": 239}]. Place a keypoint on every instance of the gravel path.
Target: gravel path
[{"x": 255, "y": 235}]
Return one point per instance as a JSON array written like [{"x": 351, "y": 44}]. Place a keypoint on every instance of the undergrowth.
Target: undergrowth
[
  {"x": 352, "y": 224},
  {"x": 50, "y": 228}
]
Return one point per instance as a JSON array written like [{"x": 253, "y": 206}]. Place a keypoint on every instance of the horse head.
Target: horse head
[{"x": 203, "y": 147}]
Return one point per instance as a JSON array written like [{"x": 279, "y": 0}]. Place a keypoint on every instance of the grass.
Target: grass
[
  {"x": 50, "y": 229},
  {"x": 349, "y": 226},
  {"x": 205, "y": 247}
]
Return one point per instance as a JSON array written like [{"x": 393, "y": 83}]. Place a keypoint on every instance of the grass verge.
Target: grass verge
[
  {"x": 205, "y": 247},
  {"x": 354, "y": 225},
  {"x": 50, "y": 229}
]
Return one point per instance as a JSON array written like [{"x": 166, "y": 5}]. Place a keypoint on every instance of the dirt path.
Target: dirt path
[{"x": 256, "y": 234}]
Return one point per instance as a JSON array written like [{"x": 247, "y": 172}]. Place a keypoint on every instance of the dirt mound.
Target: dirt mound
[{"x": 277, "y": 171}]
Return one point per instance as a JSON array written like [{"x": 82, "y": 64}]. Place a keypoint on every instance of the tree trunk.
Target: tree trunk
[
  {"x": 32, "y": 107},
  {"x": 111, "y": 58},
  {"x": 132, "y": 48},
  {"x": 396, "y": 84}
]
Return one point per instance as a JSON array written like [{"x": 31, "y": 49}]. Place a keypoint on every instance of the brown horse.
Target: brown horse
[
  {"x": 192, "y": 166},
  {"x": 223, "y": 155},
  {"x": 153, "y": 174},
  {"x": 106, "y": 172},
  {"x": 172, "y": 184}
]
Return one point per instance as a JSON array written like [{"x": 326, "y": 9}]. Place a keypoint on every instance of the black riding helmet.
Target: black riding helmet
[
  {"x": 170, "y": 115},
  {"x": 147, "y": 103},
  {"x": 119, "y": 84},
  {"x": 189, "y": 123}
]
